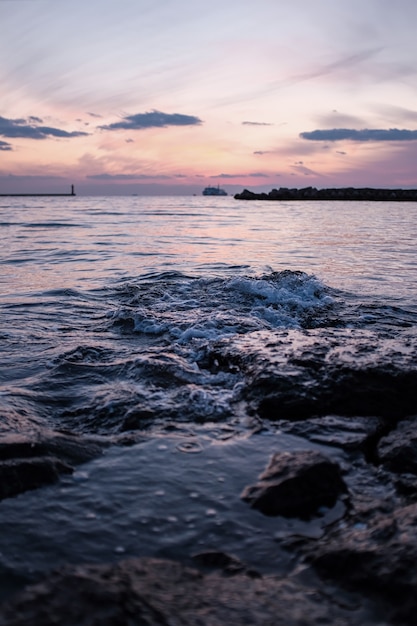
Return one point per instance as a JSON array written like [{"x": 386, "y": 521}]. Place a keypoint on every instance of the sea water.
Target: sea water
[{"x": 155, "y": 322}]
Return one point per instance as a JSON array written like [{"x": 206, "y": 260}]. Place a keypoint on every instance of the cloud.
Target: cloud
[
  {"x": 28, "y": 129},
  {"x": 153, "y": 119},
  {"x": 256, "y": 124},
  {"x": 302, "y": 169},
  {"x": 29, "y": 177},
  {"x": 340, "y": 120},
  {"x": 398, "y": 115},
  {"x": 106, "y": 176},
  {"x": 349, "y": 134},
  {"x": 5, "y": 146},
  {"x": 252, "y": 175}
]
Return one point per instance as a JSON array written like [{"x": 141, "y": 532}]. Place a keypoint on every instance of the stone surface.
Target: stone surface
[
  {"x": 296, "y": 484},
  {"x": 150, "y": 592},
  {"x": 398, "y": 450},
  {"x": 29, "y": 462},
  {"x": 349, "y": 433},
  {"x": 19, "y": 475},
  {"x": 377, "y": 556}
]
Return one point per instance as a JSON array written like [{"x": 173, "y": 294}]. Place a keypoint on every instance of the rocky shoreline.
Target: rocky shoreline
[
  {"x": 360, "y": 569},
  {"x": 342, "y": 193},
  {"x": 352, "y": 480}
]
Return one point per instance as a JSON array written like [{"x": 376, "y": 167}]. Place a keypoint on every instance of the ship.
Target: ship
[{"x": 214, "y": 191}]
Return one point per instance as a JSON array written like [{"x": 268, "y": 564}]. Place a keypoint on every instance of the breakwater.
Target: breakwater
[
  {"x": 37, "y": 195},
  {"x": 342, "y": 193}
]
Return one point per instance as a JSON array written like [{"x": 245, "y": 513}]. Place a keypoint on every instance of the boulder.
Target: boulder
[
  {"x": 28, "y": 462},
  {"x": 296, "y": 484},
  {"x": 19, "y": 475},
  {"x": 398, "y": 450}
]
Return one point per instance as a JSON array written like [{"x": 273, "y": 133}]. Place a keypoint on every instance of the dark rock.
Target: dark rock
[
  {"x": 342, "y": 193},
  {"x": 406, "y": 485},
  {"x": 19, "y": 475},
  {"x": 29, "y": 462},
  {"x": 349, "y": 433},
  {"x": 398, "y": 450},
  {"x": 378, "y": 558},
  {"x": 216, "y": 559},
  {"x": 304, "y": 374},
  {"x": 296, "y": 484},
  {"x": 345, "y": 391},
  {"x": 150, "y": 592},
  {"x": 66, "y": 446}
]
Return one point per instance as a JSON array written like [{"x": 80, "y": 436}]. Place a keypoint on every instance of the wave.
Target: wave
[
  {"x": 188, "y": 308},
  {"x": 168, "y": 347}
]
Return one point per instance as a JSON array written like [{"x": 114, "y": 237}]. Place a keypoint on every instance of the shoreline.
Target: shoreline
[
  {"x": 36, "y": 195},
  {"x": 342, "y": 193},
  {"x": 39, "y": 195}
]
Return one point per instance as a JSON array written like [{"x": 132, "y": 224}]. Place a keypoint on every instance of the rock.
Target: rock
[
  {"x": 151, "y": 592},
  {"x": 349, "y": 433},
  {"x": 296, "y": 484},
  {"x": 19, "y": 475},
  {"x": 29, "y": 462},
  {"x": 398, "y": 450},
  {"x": 342, "y": 193},
  {"x": 216, "y": 559},
  {"x": 346, "y": 390},
  {"x": 377, "y": 557},
  {"x": 68, "y": 447}
]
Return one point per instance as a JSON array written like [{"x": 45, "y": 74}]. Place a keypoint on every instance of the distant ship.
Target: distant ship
[{"x": 214, "y": 191}]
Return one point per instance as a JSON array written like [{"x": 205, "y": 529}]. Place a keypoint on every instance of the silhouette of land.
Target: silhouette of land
[
  {"x": 36, "y": 195},
  {"x": 342, "y": 193}
]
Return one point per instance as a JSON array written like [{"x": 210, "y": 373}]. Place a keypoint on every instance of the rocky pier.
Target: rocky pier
[{"x": 342, "y": 193}]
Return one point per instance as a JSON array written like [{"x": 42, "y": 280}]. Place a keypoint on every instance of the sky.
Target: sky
[{"x": 169, "y": 96}]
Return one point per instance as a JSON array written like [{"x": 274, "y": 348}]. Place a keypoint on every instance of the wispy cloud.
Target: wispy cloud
[
  {"x": 29, "y": 130},
  {"x": 302, "y": 169},
  {"x": 5, "y": 146},
  {"x": 338, "y": 70},
  {"x": 250, "y": 175},
  {"x": 366, "y": 134},
  {"x": 106, "y": 176},
  {"x": 29, "y": 177},
  {"x": 153, "y": 119},
  {"x": 257, "y": 124}
]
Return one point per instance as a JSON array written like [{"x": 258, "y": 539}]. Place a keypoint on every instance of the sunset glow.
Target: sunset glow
[{"x": 133, "y": 96}]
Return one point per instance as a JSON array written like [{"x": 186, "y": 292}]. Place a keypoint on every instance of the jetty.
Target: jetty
[
  {"x": 38, "y": 195},
  {"x": 343, "y": 193}
]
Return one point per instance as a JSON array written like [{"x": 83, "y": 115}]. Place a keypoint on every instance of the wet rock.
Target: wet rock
[
  {"x": 302, "y": 374},
  {"x": 296, "y": 484},
  {"x": 31, "y": 461},
  {"x": 19, "y": 475},
  {"x": 150, "y": 592},
  {"x": 398, "y": 450},
  {"x": 349, "y": 433},
  {"x": 66, "y": 446},
  {"x": 377, "y": 557},
  {"x": 343, "y": 390},
  {"x": 216, "y": 559}
]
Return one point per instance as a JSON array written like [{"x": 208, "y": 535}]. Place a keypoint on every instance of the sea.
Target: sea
[{"x": 187, "y": 335}]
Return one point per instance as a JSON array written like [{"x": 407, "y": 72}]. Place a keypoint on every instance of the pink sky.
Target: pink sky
[{"x": 133, "y": 96}]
